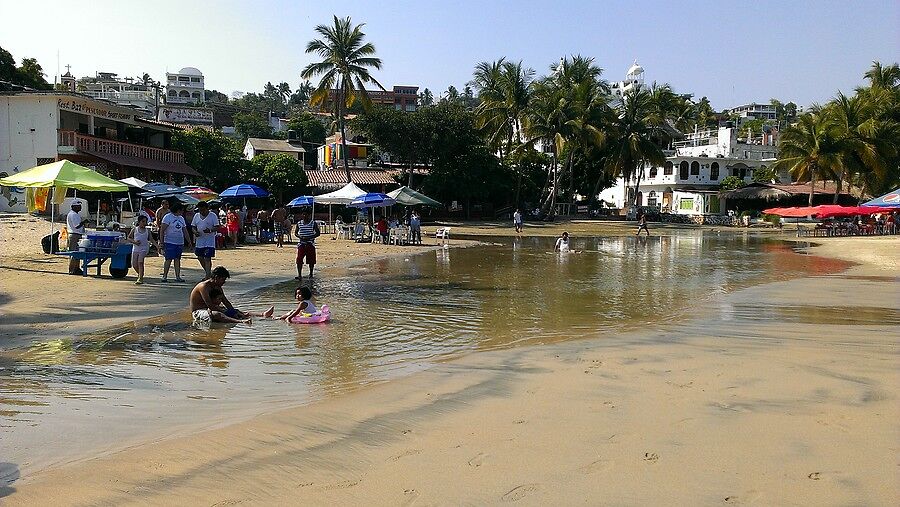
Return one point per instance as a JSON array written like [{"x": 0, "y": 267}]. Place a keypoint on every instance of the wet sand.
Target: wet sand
[{"x": 782, "y": 393}]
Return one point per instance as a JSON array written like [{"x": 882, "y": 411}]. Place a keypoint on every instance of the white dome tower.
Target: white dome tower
[{"x": 635, "y": 73}]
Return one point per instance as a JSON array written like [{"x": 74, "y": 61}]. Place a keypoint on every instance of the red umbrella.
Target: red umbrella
[
  {"x": 798, "y": 212},
  {"x": 833, "y": 210}
]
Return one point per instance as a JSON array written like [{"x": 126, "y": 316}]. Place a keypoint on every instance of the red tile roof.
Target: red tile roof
[{"x": 338, "y": 177}]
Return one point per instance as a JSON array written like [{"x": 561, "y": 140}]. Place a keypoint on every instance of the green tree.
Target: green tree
[
  {"x": 426, "y": 98},
  {"x": 344, "y": 70},
  {"x": 32, "y": 74},
  {"x": 761, "y": 175},
  {"x": 278, "y": 173},
  {"x": 706, "y": 117},
  {"x": 810, "y": 149},
  {"x": 252, "y": 125},
  {"x": 633, "y": 136},
  {"x": 217, "y": 158},
  {"x": 731, "y": 183},
  {"x": 394, "y": 132}
]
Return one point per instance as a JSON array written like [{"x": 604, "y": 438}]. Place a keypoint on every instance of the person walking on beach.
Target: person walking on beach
[
  {"x": 141, "y": 238},
  {"x": 642, "y": 223},
  {"x": 517, "y": 221},
  {"x": 307, "y": 231},
  {"x": 208, "y": 302},
  {"x": 278, "y": 218},
  {"x": 75, "y": 229},
  {"x": 415, "y": 228},
  {"x": 161, "y": 213},
  {"x": 205, "y": 224},
  {"x": 174, "y": 234},
  {"x": 232, "y": 225},
  {"x": 262, "y": 224}
]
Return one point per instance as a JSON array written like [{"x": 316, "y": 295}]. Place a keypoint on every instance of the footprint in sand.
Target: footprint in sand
[
  {"x": 815, "y": 476},
  {"x": 651, "y": 457},
  {"x": 411, "y": 452},
  {"x": 341, "y": 485},
  {"x": 410, "y": 496},
  {"x": 478, "y": 460},
  {"x": 600, "y": 465},
  {"x": 519, "y": 421},
  {"x": 519, "y": 492}
]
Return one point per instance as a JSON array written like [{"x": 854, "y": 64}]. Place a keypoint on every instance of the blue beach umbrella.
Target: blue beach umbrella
[
  {"x": 888, "y": 200},
  {"x": 243, "y": 190},
  {"x": 372, "y": 200},
  {"x": 303, "y": 200}
]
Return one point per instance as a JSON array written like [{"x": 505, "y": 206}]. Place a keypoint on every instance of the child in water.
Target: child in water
[
  {"x": 305, "y": 305},
  {"x": 233, "y": 313}
]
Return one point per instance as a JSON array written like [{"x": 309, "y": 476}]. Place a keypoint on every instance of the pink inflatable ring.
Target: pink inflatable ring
[{"x": 323, "y": 315}]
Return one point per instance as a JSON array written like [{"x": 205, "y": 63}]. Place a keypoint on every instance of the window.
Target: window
[
  {"x": 195, "y": 79},
  {"x": 651, "y": 198},
  {"x": 173, "y": 93},
  {"x": 184, "y": 79},
  {"x": 714, "y": 171},
  {"x": 695, "y": 168},
  {"x": 683, "y": 170},
  {"x": 653, "y": 170},
  {"x": 196, "y": 95},
  {"x": 185, "y": 94},
  {"x": 667, "y": 169},
  {"x": 686, "y": 204}
]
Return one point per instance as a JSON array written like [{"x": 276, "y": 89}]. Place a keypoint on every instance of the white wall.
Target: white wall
[{"x": 27, "y": 132}]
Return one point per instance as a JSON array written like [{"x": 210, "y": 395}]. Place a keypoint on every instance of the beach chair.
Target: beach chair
[{"x": 443, "y": 234}]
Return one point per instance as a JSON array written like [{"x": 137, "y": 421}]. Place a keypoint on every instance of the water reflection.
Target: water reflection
[{"x": 391, "y": 316}]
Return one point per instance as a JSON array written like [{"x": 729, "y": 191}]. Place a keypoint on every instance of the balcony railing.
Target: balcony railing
[
  {"x": 116, "y": 95},
  {"x": 91, "y": 144}
]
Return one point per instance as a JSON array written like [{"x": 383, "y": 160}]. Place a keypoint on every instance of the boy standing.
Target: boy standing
[
  {"x": 307, "y": 231},
  {"x": 205, "y": 224},
  {"x": 174, "y": 234}
]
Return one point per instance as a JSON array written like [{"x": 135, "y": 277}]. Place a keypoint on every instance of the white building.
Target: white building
[
  {"x": 754, "y": 111},
  {"x": 185, "y": 87},
  {"x": 256, "y": 146},
  {"x": 688, "y": 182},
  {"x": 127, "y": 92},
  {"x": 42, "y": 127},
  {"x": 633, "y": 78}
]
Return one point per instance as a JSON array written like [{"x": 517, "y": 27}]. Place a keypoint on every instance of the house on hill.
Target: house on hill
[{"x": 256, "y": 146}]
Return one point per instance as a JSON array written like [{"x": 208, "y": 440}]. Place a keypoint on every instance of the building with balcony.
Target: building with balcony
[
  {"x": 689, "y": 181},
  {"x": 634, "y": 78},
  {"x": 753, "y": 111},
  {"x": 256, "y": 146},
  {"x": 128, "y": 92},
  {"x": 42, "y": 127},
  {"x": 185, "y": 87},
  {"x": 401, "y": 98}
]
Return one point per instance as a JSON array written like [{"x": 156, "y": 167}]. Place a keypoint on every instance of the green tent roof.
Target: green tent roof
[
  {"x": 64, "y": 174},
  {"x": 409, "y": 197}
]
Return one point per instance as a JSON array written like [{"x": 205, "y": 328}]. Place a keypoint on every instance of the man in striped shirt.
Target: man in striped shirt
[{"x": 307, "y": 231}]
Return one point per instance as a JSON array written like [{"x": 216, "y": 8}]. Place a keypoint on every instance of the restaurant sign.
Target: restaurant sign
[
  {"x": 185, "y": 115},
  {"x": 86, "y": 107}
]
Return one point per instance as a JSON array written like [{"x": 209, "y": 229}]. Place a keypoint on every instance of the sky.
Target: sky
[{"x": 731, "y": 52}]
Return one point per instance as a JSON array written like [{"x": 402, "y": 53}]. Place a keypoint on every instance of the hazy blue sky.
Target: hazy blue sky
[{"x": 732, "y": 52}]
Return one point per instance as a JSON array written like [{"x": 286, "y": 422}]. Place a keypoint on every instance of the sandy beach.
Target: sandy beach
[{"x": 784, "y": 394}]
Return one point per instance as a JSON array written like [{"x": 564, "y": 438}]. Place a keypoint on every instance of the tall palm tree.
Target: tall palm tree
[
  {"x": 284, "y": 90},
  {"x": 810, "y": 149},
  {"x": 634, "y": 136},
  {"x": 883, "y": 77},
  {"x": 344, "y": 70}
]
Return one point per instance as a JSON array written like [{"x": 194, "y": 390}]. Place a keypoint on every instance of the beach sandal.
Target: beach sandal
[{"x": 138, "y": 282}]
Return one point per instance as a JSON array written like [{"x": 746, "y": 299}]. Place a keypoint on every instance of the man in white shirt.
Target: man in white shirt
[
  {"x": 174, "y": 234},
  {"x": 205, "y": 225},
  {"x": 517, "y": 221},
  {"x": 75, "y": 229}
]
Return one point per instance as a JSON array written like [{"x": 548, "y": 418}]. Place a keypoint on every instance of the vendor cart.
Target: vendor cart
[{"x": 100, "y": 247}]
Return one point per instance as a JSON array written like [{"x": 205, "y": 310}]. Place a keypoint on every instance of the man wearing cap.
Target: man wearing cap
[{"x": 75, "y": 228}]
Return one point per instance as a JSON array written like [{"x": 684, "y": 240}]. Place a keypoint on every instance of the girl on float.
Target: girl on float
[{"x": 305, "y": 306}]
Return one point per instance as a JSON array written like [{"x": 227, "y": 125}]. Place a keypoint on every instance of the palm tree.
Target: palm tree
[
  {"x": 883, "y": 77},
  {"x": 284, "y": 90},
  {"x": 344, "y": 70},
  {"x": 634, "y": 137},
  {"x": 810, "y": 149}
]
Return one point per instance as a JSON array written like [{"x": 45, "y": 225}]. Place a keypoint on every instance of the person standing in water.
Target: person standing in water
[
  {"x": 517, "y": 220},
  {"x": 642, "y": 223},
  {"x": 562, "y": 243}
]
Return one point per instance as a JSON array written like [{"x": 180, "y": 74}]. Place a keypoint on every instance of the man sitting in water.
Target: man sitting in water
[{"x": 209, "y": 306}]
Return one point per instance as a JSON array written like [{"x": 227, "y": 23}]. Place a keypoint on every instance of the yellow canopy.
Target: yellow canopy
[{"x": 64, "y": 174}]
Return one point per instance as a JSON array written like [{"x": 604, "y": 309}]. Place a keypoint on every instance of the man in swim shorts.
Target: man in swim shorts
[{"x": 207, "y": 306}]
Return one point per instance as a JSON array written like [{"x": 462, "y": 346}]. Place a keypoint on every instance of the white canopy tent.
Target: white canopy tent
[
  {"x": 134, "y": 182},
  {"x": 344, "y": 195}
]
